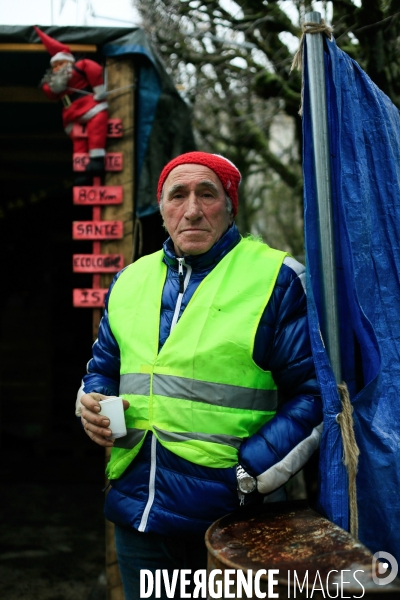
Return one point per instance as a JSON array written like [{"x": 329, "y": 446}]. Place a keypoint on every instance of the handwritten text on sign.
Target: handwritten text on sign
[
  {"x": 88, "y": 298},
  {"x": 97, "y": 230},
  {"x": 97, "y": 263},
  {"x": 114, "y": 129},
  {"x": 113, "y": 161},
  {"x": 98, "y": 194}
]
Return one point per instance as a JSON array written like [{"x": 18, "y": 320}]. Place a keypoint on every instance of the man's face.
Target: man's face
[
  {"x": 194, "y": 209},
  {"x": 58, "y": 64}
]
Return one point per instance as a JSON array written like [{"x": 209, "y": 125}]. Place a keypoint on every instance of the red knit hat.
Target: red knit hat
[
  {"x": 57, "y": 50},
  {"x": 227, "y": 173}
]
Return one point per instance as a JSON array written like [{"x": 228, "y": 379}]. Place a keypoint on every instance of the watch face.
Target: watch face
[{"x": 247, "y": 484}]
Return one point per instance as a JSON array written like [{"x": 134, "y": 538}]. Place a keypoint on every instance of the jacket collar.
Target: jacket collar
[{"x": 210, "y": 258}]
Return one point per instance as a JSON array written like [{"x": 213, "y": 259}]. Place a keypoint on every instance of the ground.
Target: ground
[{"x": 52, "y": 528}]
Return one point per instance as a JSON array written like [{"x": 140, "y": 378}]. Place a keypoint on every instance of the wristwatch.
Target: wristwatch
[{"x": 246, "y": 483}]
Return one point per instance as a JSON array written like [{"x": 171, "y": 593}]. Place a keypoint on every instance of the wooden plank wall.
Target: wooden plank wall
[{"x": 120, "y": 74}]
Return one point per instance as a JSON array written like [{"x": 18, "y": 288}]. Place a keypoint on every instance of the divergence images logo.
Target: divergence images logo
[{"x": 387, "y": 565}]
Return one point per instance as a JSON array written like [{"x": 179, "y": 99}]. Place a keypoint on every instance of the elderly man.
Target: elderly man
[{"x": 207, "y": 341}]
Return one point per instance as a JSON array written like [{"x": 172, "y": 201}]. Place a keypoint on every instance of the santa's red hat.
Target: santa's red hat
[
  {"x": 227, "y": 173},
  {"x": 57, "y": 50}
]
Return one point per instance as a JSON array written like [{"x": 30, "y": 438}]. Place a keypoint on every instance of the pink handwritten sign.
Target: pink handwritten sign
[
  {"x": 88, "y": 298},
  {"x": 97, "y": 263},
  {"x": 97, "y": 230},
  {"x": 98, "y": 195},
  {"x": 114, "y": 161},
  {"x": 114, "y": 129}
]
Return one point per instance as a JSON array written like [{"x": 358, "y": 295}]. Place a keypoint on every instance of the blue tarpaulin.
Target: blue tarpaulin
[{"x": 364, "y": 138}]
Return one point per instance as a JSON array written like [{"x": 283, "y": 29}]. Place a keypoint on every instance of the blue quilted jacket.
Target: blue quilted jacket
[{"x": 163, "y": 493}]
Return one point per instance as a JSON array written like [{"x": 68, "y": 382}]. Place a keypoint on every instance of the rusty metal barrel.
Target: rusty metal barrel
[{"x": 290, "y": 551}]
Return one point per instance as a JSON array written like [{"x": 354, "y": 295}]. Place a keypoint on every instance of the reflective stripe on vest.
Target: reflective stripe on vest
[
  {"x": 220, "y": 394},
  {"x": 134, "y": 436},
  {"x": 202, "y": 394}
]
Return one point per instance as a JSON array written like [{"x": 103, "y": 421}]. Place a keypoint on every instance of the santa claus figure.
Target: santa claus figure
[{"x": 80, "y": 87}]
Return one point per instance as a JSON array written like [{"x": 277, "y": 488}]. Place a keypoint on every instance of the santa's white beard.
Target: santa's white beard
[{"x": 58, "y": 81}]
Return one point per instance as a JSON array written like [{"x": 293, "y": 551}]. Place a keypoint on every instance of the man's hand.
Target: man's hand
[{"x": 96, "y": 426}]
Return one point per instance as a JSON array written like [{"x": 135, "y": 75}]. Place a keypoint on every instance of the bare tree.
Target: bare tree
[{"x": 231, "y": 60}]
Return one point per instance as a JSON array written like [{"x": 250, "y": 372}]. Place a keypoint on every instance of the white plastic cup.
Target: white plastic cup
[{"x": 113, "y": 409}]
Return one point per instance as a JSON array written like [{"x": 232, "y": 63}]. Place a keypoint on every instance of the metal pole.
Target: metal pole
[{"x": 319, "y": 120}]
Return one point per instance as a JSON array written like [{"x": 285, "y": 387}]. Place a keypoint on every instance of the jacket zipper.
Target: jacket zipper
[
  {"x": 152, "y": 479},
  {"x": 183, "y": 283}
]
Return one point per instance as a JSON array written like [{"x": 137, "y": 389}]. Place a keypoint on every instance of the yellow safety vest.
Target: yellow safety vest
[{"x": 202, "y": 394}]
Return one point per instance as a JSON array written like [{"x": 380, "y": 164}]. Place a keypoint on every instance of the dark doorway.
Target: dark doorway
[
  {"x": 45, "y": 343},
  {"x": 52, "y": 531}
]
